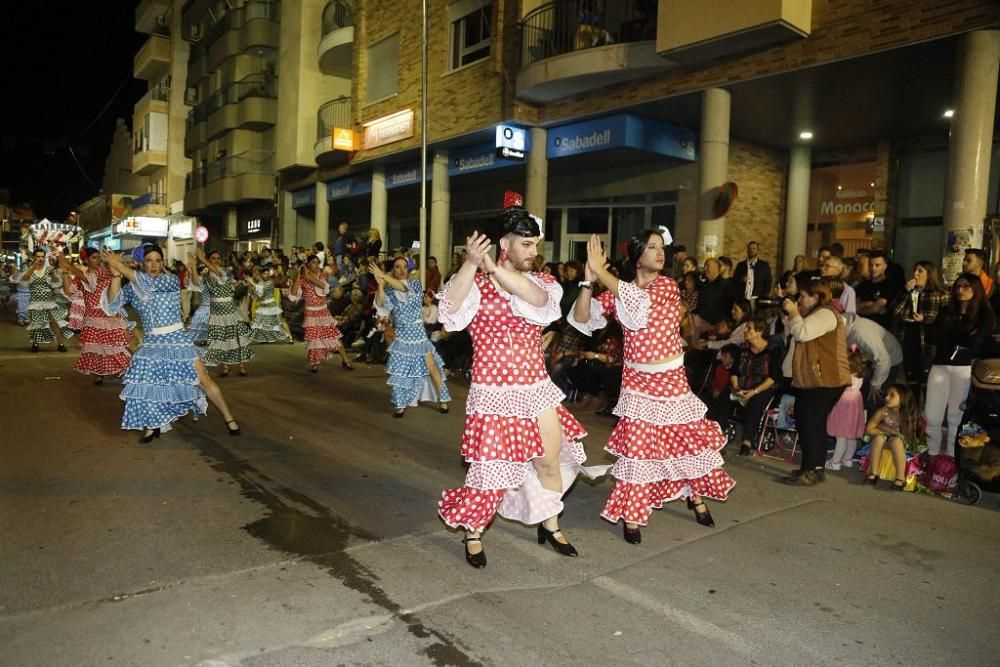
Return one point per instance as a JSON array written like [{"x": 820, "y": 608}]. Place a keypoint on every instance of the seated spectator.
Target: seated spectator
[
  {"x": 895, "y": 424},
  {"x": 350, "y": 319},
  {"x": 432, "y": 325},
  {"x": 599, "y": 370},
  {"x": 717, "y": 394},
  {"x": 740, "y": 313},
  {"x": 757, "y": 381},
  {"x": 339, "y": 301},
  {"x": 566, "y": 352},
  {"x": 914, "y": 312}
]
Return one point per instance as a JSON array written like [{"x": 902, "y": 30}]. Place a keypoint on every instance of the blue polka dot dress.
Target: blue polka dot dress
[
  {"x": 198, "y": 324},
  {"x": 408, "y": 375},
  {"x": 161, "y": 383}
]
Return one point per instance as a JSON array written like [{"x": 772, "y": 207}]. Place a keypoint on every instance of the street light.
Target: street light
[{"x": 423, "y": 147}]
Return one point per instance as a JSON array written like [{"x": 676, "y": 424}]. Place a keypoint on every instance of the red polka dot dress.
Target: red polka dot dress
[
  {"x": 103, "y": 338},
  {"x": 510, "y": 389},
  {"x": 318, "y": 327},
  {"x": 666, "y": 448}
]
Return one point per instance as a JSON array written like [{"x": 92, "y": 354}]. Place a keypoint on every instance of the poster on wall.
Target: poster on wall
[{"x": 960, "y": 239}]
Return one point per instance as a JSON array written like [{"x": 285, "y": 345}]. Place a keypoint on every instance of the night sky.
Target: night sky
[{"x": 62, "y": 63}]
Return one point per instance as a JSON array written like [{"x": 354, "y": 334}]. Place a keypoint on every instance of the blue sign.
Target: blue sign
[
  {"x": 407, "y": 173},
  {"x": 349, "y": 187},
  {"x": 304, "y": 197},
  {"x": 513, "y": 138},
  {"x": 621, "y": 131},
  {"x": 477, "y": 158}
]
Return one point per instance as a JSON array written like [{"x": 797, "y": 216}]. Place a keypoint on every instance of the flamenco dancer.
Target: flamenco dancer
[
  {"x": 198, "y": 324},
  {"x": 268, "y": 325},
  {"x": 415, "y": 369},
  {"x": 666, "y": 448},
  {"x": 320, "y": 332},
  {"x": 228, "y": 332},
  {"x": 104, "y": 338},
  {"x": 46, "y": 320},
  {"x": 166, "y": 379},
  {"x": 523, "y": 448}
]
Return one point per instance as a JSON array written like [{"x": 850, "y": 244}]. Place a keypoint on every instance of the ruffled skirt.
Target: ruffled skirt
[
  {"x": 198, "y": 324},
  {"x": 266, "y": 326},
  {"x": 321, "y": 335},
  {"x": 104, "y": 345},
  {"x": 41, "y": 314},
  {"x": 408, "y": 374},
  {"x": 77, "y": 311},
  {"x": 228, "y": 338},
  {"x": 499, "y": 446},
  {"x": 162, "y": 384},
  {"x": 666, "y": 448}
]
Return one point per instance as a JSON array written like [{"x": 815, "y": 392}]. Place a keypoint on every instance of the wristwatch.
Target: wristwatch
[{"x": 586, "y": 284}]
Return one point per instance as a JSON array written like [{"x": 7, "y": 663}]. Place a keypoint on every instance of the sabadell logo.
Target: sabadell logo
[{"x": 578, "y": 142}]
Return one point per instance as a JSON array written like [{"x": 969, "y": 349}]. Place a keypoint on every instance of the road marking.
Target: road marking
[{"x": 686, "y": 620}]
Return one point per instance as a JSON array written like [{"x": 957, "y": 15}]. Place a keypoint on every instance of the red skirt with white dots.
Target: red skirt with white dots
[
  {"x": 501, "y": 438},
  {"x": 666, "y": 448}
]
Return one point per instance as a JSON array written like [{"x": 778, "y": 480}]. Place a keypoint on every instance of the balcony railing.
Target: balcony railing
[
  {"x": 335, "y": 113},
  {"x": 564, "y": 26},
  {"x": 336, "y": 15},
  {"x": 235, "y": 19},
  {"x": 248, "y": 162},
  {"x": 254, "y": 85}
]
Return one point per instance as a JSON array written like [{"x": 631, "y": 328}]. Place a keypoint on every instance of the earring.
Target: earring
[{"x": 503, "y": 256}]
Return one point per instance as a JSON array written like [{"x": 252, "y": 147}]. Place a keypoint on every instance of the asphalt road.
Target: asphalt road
[{"x": 313, "y": 540}]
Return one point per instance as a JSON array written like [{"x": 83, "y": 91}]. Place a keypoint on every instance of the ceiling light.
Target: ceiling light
[
  {"x": 806, "y": 135},
  {"x": 872, "y": 184},
  {"x": 949, "y": 113},
  {"x": 840, "y": 187}
]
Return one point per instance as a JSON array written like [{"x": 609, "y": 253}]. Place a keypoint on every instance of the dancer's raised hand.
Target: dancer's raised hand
[{"x": 477, "y": 247}]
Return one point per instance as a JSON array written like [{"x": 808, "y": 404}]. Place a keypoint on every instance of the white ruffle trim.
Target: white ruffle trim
[
  {"x": 268, "y": 310},
  {"x": 660, "y": 411},
  {"x": 226, "y": 319},
  {"x": 633, "y": 305},
  {"x": 523, "y": 402},
  {"x": 104, "y": 350},
  {"x": 42, "y": 305},
  {"x": 109, "y": 323},
  {"x": 466, "y": 311},
  {"x": 324, "y": 344},
  {"x": 540, "y": 315},
  {"x": 228, "y": 344},
  {"x": 596, "y": 322},
  {"x": 636, "y": 471}
]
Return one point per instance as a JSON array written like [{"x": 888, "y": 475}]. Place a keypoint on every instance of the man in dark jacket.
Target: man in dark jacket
[{"x": 753, "y": 273}]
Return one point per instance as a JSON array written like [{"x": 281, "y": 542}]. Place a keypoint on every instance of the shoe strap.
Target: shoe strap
[{"x": 467, "y": 540}]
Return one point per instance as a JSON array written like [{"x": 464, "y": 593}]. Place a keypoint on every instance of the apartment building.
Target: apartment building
[{"x": 829, "y": 117}]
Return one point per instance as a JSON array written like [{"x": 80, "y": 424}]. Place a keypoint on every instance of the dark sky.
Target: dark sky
[{"x": 60, "y": 64}]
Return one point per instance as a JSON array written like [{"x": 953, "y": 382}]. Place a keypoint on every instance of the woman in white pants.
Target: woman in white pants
[{"x": 959, "y": 332}]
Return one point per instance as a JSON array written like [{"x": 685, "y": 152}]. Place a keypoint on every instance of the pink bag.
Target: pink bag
[{"x": 942, "y": 474}]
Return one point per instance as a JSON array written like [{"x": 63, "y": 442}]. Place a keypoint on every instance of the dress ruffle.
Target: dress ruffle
[
  {"x": 161, "y": 384},
  {"x": 524, "y": 401}
]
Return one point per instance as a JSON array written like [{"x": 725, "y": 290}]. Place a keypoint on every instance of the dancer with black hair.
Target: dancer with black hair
[
  {"x": 166, "y": 379},
  {"x": 47, "y": 321},
  {"x": 666, "y": 448},
  {"x": 416, "y": 371},
  {"x": 104, "y": 338},
  {"x": 228, "y": 333},
  {"x": 323, "y": 338},
  {"x": 523, "y": 448},
  {"x": 268, "y": 325}
]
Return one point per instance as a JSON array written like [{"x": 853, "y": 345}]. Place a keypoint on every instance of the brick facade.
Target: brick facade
[{"x": 758, "y": 214}]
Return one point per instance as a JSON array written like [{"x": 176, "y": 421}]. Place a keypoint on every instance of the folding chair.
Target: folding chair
[{"x": 777, "y": 431}]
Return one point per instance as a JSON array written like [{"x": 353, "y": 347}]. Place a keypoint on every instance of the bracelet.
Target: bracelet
[{"x": 585, "y": 284}]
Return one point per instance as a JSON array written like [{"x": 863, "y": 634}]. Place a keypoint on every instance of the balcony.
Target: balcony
[
  {"x": 156, "y": 100},
  {"x": 151, "y": 204},
  {"x": 148, "y": 155},
  {"x": 335, "y": 113},
  {"x": 249, "y": 104},
  {"x": 569, "y": 49},
  {"x": 252, "y": 26},
  {"x": 336, "y": 44},
  {"x": 153, "y": 59},
  {"x": 230, "y": 180},
  {"x": 150, "y": 16}
]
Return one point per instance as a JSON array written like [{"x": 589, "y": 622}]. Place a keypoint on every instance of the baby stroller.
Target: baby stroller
[{"x": 977, "y": 447}]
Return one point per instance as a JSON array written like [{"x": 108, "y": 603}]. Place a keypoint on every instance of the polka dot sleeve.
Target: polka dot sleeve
[
  {"x": 295, "y": 293},
  {"x": 116, "y": 307},
  {"x": 596, "y": 322},
  {"x": 540, "y": 315},
  {"x": 466, "y": 311},
  {"x": 633, "y": 305}
]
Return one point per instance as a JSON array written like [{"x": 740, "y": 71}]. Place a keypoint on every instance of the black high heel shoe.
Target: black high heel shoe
[
  {"x": 546, "y": 535},
  {"x": 898, "y": 485},
  {"x": 35, "y": 348},
  {"x": 232, "y": 431},
  {"x": 347, "y": 365},
  {"x": 632, "y": 535},
  {"x": 61, "y": 348},
  {"x": 871, "y": 479},
  {"x": 148, "y": 438},
  {"x": 703, "y": 518},
  {"x": 444, "y": 409},
  {"x": 475, "y": 560},
  {"x": 398, "y": 414},
  {"x": 99, "y": 380}
]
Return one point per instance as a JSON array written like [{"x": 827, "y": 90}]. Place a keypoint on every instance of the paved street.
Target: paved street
[{"x": 312, "y": 540}]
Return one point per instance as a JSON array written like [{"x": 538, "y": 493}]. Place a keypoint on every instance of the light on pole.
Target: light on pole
[{"x": 423, "y": 147}]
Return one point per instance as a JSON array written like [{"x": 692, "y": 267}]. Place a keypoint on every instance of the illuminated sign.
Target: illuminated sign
[
  {"x": 344, "y": 139},
  {"x": 511, "y": 142},
  {"x": 142, "y": 226},
  {"x": 388, "y": 129}
]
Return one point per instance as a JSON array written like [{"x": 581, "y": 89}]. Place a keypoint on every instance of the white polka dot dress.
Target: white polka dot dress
[
  {"x": 161, "y": 383},
  {"x": 319, "y": 330},
  {"x": 43, "y": 309},
  {"x": 666, "y": 448},
  {"x": 510, "y": 389},
  {"x": 228, "y": 332},
  {"x": 104, "y": 338}
]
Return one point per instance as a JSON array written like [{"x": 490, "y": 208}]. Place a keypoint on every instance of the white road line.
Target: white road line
[{"x": 686, "y": 620}]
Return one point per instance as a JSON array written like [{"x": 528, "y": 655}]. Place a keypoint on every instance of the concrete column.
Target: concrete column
[
  {"x": 797, "y": 204},
  {"x": 288, "y": 221},
  {"x": 231, "y": 226},
  {"x": 440, "y": 231},
  {"x": 713, "y": 170},
  {"x": 380, "y": 206},
  {"x": 969, "y": 145},
  {"x": 322, "y": 232},
  {"x": 536, "y": 191}
]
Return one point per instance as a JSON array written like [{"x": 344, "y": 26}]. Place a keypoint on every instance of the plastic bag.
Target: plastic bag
[{"x": 941, "y": 476}]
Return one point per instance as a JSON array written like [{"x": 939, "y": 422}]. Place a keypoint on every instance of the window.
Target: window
[
  {"x": 470, "y": 31},
  {"x": 383, "y": 69}
]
